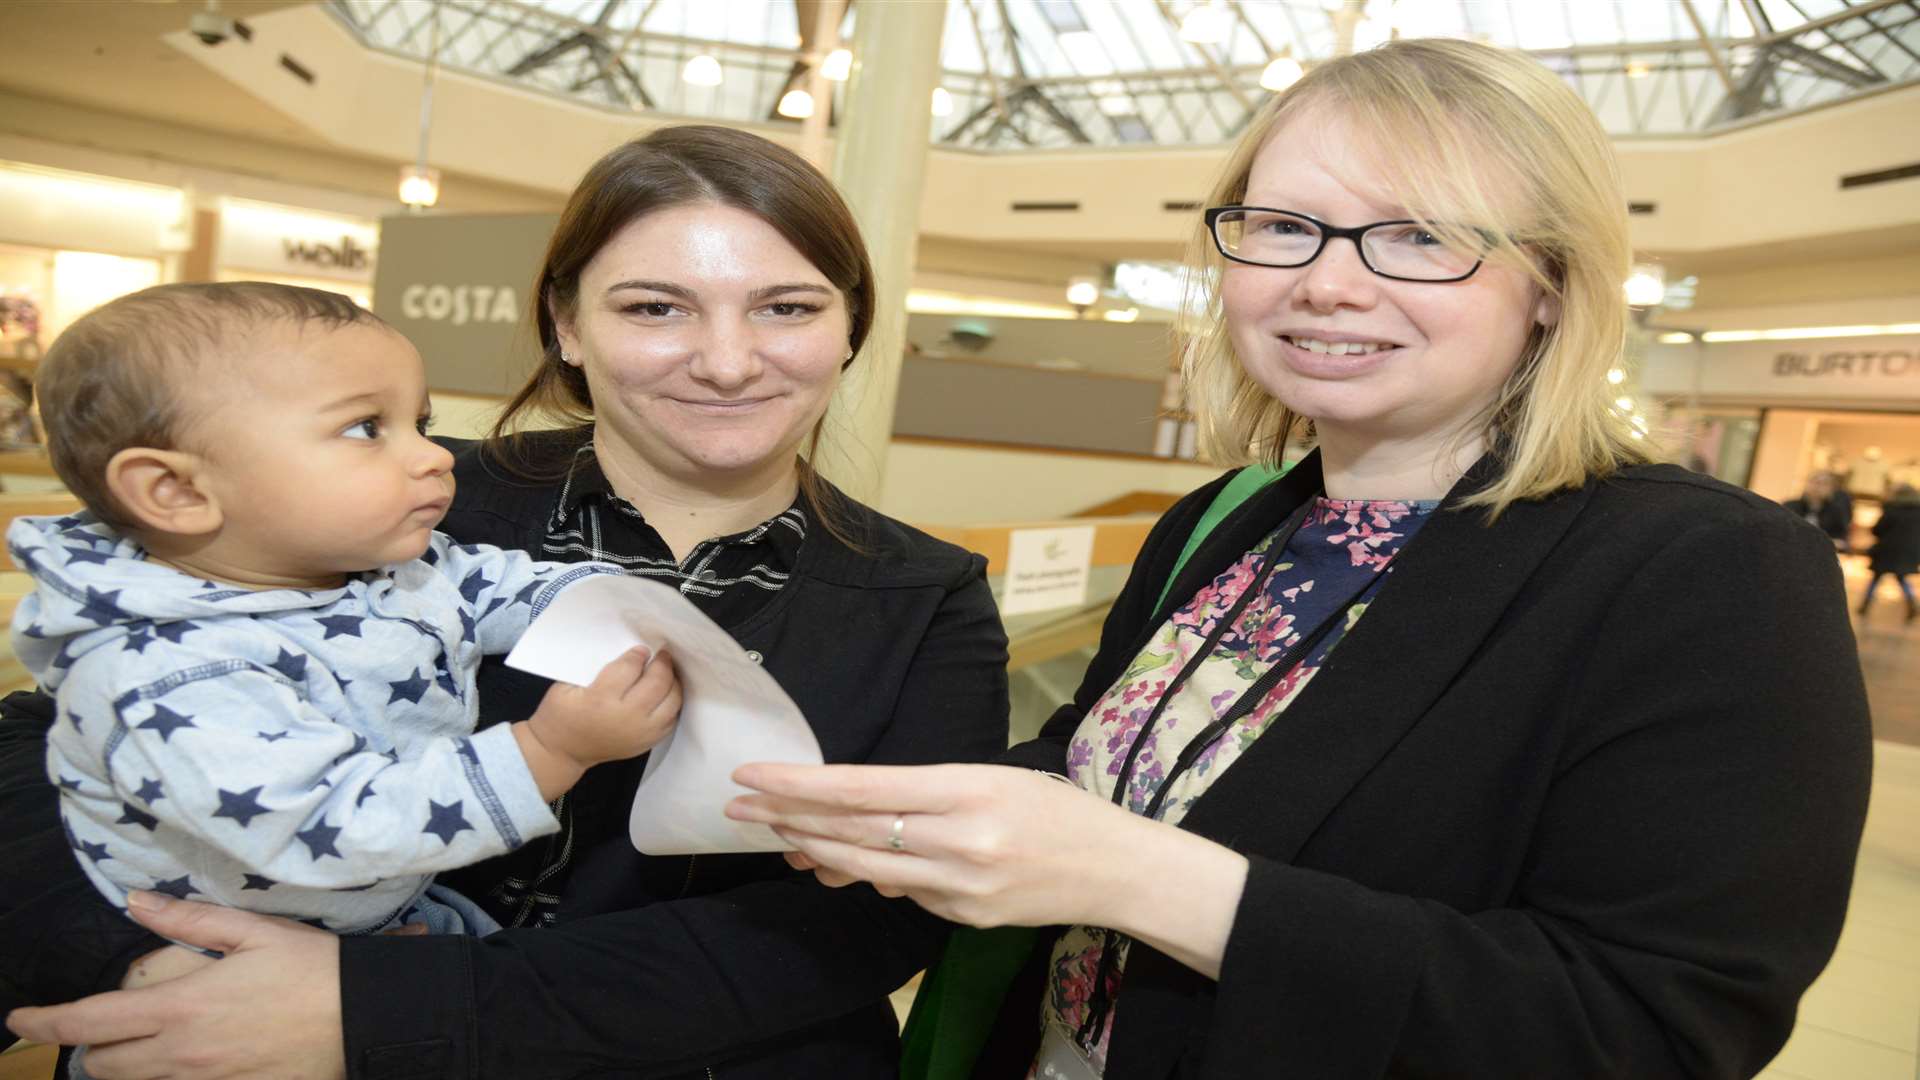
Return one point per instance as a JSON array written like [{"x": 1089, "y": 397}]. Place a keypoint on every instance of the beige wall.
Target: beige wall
[
  {"x": 1820, "y": 292},
  {"x": 964, "y": 485},
  {"x": 953, "y": 485},
  {"x": 464, "y": 416},
  {"x": 1780, "y": 457}
]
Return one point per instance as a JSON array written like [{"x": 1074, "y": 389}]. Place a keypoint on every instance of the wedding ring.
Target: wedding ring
[{"x": 895, "y": 836}]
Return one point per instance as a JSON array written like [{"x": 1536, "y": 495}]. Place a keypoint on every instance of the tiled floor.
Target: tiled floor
[
  {"x": 1889, "y": 655},
  {"x": 1861, "y": 1019}
]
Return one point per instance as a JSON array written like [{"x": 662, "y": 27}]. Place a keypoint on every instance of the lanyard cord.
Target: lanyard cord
[
  {"x": 1100, "y": 1002},
  {"x": 1220, "y": 630}
]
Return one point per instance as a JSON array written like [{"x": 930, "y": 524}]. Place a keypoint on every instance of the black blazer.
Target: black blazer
[
  {"x": 1579, "y": 796},
  {"x": 727, "y": 965}
]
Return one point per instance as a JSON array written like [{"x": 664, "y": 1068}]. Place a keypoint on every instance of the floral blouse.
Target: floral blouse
[{"x": 1342, "y": 551}]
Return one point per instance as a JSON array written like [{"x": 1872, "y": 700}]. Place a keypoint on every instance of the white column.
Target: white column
[{"x": 879, "y": 163}]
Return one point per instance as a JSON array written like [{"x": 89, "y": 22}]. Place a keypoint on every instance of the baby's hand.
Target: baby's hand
[{"x": 630, "y": 706}]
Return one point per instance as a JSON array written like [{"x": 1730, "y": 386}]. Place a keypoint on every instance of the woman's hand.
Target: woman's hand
[
  {"x": 989, "y": 845},
  {"x": 162, "y": 964},
  {"x": 270, "y": 1007}
]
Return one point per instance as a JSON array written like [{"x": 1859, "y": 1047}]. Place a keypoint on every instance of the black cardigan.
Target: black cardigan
[
  {"x": 659, "y": 966},
  {"x": 1579, "y": 796}
]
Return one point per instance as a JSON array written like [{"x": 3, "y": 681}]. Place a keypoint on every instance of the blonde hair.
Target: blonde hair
[{"x": 1481, "y": 145}]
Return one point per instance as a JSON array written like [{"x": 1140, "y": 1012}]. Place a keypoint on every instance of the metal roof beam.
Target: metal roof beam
[
  {"x": 1706, "y": 42},
  {"x": 1826, "y": 66}
]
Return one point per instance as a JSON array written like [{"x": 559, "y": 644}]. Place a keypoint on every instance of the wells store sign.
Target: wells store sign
[{"x": 271, "y": 240}]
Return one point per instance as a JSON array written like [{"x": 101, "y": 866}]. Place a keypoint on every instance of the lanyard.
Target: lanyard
[
  {"x": 1244, "y": 705},
  {"x": 1249, "y": 699}
]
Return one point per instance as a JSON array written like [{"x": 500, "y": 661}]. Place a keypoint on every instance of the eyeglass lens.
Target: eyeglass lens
[{"x": 1273, "y": 238}]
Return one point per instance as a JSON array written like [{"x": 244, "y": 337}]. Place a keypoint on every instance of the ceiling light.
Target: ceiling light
[
  {"x": 935, "y": 302},
  {"x": 702, "y": 70},
  {"x": 1204, "y": 25},
  {"x": 419, "y": 186},
  {"x": 1646, "y": 286},
  {"x": 942, "y": 102},
  {"x": 1281, "y": 72},
  {"x": 797, "y": 104},
  {"x": 1082, "y": 292},
  {"x": 1799, "y": 332},
  {"x": 838, "y": 65},
  {"x": 1638, "y": 69},
  {"x": 1616, "y": 376},
  {"x": 1128, "y": 314},
  {"x": 1675, "y": 337}
]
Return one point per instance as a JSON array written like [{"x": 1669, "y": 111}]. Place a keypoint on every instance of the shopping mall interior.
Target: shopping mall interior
[{"x": 1028, "y": 174}]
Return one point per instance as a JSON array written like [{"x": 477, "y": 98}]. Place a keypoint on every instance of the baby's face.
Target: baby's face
[{"x": 315, "y": 449}]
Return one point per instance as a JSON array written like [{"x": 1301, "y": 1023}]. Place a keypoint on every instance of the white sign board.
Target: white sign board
[
  {"x": 1046, "y": 569},
  {"x": 1883, "y": 370},
  {"x": 273, "y": 240}
]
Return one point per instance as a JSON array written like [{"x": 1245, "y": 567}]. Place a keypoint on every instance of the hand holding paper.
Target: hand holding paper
[
  {"x": 627, "y": 709},
  {"x": 731, "y": 711}
]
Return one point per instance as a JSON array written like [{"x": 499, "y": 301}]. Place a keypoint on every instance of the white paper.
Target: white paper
[
  {"x": 731, "y": 712},
  {"x": 1047, "y": 568}
]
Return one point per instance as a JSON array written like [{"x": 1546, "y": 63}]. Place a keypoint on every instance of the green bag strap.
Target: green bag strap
[
  {"x": 1238, "y": 490},
  {"x": 959, "y": 999}
]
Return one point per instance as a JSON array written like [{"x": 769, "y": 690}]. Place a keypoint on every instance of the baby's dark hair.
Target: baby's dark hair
[{"x": 112, "y": 380}]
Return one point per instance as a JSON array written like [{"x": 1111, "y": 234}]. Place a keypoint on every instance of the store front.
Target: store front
[
  {"x": 1848, "y": 402},
  {"x": 261, "y": 242},
  {"x": 72, "y": 241},
  {"x": 1769, "y": 411}
]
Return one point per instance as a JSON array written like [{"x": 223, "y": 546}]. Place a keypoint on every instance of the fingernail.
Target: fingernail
[{"x": 141, "y": 900}]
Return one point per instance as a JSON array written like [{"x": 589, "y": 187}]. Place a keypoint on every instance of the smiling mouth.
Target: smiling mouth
[
  {"x": 737, "y": 404},
  {"x": 1337, "y": 348}
]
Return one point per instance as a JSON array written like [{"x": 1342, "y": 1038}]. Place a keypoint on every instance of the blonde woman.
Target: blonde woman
[{"x": 1474, "y": 746}]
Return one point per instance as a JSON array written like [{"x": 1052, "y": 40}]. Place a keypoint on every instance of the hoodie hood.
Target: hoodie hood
[{"x": 94, "y": 587}]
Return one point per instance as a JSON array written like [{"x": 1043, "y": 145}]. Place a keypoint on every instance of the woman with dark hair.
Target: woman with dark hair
[{"x": 702, "y": 293}]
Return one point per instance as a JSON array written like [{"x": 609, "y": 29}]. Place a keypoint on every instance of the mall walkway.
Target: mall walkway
[
  {"x": 1861, "y": 1019},
  {"x": 1889, "y": 656}
]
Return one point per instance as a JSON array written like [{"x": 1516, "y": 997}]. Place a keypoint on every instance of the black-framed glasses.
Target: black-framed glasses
[{"x": 1401, "y": 250}]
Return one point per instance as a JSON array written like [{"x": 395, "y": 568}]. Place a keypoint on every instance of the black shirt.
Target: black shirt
[{"x": 729, "y": 578}]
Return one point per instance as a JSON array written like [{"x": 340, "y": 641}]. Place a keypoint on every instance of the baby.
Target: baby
[{"x": 263, "y": 654}]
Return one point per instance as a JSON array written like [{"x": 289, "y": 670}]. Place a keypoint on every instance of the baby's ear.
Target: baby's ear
[{"x": 163, "y": 491}]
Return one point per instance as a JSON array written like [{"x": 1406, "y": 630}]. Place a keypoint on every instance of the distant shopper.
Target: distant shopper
[
  {"x": 1460, "y": 749},
  {"x": 1826, "y": 507},
  {"x": 1896, "y": 547}
]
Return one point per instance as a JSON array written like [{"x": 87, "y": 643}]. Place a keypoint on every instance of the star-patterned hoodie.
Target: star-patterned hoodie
[{"x": 301, "y": 753}]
